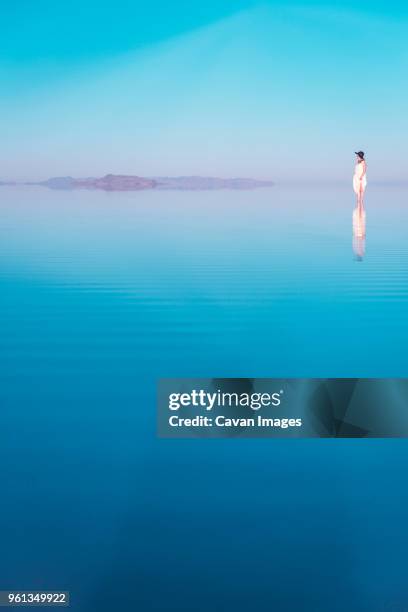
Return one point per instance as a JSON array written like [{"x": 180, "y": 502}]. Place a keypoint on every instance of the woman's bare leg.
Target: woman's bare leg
[{"x": 360, "y": 196}]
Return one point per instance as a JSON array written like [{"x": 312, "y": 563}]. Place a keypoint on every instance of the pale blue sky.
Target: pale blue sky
[{"x": 229, "y": 88}]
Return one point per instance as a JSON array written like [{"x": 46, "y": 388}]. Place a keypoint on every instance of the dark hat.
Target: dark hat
[{"x": 360, "y": 154}]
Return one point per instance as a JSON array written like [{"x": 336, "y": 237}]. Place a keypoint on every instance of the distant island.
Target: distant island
[{"x": 122, "y": 182}]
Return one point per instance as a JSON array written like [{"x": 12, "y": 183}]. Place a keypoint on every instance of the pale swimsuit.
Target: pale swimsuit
[{"x": 358, "y": 171}]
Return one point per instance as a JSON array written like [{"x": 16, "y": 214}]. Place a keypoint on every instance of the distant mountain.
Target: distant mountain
[
  {"x": 123, "y": 182},
  {"x": 59, "y": 182},
  {"x": 110, "y": 182}
]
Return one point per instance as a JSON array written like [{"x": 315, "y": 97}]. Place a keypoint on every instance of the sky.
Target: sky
[{"x": 284, "y": 91}]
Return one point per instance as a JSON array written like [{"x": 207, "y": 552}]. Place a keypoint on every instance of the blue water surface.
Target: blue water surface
[{"x": 102, "y": 294}]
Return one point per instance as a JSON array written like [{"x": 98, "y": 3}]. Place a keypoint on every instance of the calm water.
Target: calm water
[{"x": 102, "y": 294}]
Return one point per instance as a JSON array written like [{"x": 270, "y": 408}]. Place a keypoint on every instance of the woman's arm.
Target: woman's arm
[{"x": 364, "y": 170}]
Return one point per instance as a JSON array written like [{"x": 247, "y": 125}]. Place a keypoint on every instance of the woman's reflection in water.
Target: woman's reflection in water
[{"x": 359, "y": 231}]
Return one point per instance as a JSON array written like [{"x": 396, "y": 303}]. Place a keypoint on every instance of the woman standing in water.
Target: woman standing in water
[
  {"x": 360, "y": 178},
  {"x": 359, "y": 216}
]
